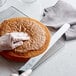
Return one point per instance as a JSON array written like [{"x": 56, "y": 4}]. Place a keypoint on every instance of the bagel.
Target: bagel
[{"x": 38, "y": 33}]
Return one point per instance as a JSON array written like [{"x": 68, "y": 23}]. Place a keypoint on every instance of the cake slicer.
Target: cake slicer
[{"x": 34, "y": 62}]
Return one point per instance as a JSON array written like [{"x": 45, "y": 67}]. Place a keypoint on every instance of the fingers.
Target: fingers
[
  {"x": 13, "y": 40},
  {"x": 14, "y": 45},
  {"x": 19, "y": 36}
]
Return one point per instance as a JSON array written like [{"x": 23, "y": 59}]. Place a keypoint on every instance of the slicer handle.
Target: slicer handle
[
  {"x": 26, "y": 73},
  {"x": 14, "y": 75}
]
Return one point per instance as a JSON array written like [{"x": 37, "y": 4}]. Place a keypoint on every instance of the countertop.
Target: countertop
[{"x": 62, "y": 63}]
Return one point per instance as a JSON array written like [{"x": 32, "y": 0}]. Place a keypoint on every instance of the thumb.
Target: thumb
[{"x": 14, "y": 45}]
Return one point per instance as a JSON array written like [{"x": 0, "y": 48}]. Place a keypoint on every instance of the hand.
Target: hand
[{"x": 12, "y": 40}]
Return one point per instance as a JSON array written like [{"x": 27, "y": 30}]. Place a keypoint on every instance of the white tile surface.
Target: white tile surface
[{"x": 63, "y": 63}]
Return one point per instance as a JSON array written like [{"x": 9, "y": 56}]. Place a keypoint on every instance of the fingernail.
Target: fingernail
[{"x": 21, "y": 43}]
